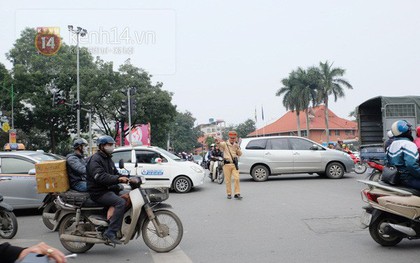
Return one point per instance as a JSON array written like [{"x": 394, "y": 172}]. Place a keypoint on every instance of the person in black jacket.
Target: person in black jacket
[
  {"x": 9, "y": 253},
  {"x": 76, "y": 166},
  {"x": 102, "y": 182}
]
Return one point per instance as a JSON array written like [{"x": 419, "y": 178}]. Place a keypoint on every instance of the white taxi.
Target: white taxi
[{"x": 160, "y": 167}]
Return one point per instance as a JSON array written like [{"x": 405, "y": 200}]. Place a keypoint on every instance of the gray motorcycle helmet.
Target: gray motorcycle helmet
[{"x": 79, "y": 142}]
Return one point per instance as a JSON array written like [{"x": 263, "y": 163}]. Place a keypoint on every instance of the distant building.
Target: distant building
[
  {"x": 213, "y": 129},
  {"x": 287, "y": 125}
]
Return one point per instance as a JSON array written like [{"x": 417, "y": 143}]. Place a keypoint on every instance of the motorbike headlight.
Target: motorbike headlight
[{"x": 197, "y": 169}]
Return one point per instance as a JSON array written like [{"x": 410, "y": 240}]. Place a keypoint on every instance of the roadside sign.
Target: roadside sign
[{"x": 47, "y": 40}]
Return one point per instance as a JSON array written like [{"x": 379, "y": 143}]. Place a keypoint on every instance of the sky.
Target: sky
[{"x": 225, "y": 59}]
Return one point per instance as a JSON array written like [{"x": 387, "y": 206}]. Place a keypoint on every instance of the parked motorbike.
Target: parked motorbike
[
  {"x": 83, "y": 222},
  {"x": 8, "y": 221},
  {"x": 392, "y": 213}
]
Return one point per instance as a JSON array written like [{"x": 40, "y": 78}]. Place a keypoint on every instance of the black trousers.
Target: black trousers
[{"x": 111, "y": 199}]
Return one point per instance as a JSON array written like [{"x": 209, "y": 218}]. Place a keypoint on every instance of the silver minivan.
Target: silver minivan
[{"x": 274, "y": 155}]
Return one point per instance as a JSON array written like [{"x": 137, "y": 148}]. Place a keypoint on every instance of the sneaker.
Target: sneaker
[
  {"x": 112, "y": 238},
  {"x": 229, "y": 197},
  {"x": 238, "y": 196}
]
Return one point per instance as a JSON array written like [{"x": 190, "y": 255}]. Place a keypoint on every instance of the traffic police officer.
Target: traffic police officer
[{"x": 231, "y": 152}]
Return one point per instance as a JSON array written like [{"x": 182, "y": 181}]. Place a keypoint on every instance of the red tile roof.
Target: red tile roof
[{"x": 288, "y": 123}]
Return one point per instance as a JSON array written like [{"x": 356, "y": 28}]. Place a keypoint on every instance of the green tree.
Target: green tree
[
  {"x": 183, "y": 135},
  {"x": 35, "y": 78},
  {"x": 329, "y": 83},
  {"x": 291, "y": 96},
  {"x": 245, "y": 128}
]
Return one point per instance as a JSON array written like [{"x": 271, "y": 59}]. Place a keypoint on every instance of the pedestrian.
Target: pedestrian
[
  {"x": 76, "y": 166},
  {"x": 11, "y": 254},
  {"x": 231, "y": 152},
  {"x": 103, "y": 179}
]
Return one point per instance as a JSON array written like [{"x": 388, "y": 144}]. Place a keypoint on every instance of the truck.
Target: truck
[{"x": 376, "y": 115}]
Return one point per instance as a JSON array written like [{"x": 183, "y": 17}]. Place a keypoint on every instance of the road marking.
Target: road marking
[{"x": 175, "y": 256}]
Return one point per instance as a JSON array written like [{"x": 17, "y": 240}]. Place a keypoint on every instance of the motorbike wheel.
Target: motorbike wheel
[
  {"x": 68, "y": 226},
  {"x": 8, "y": 224},
  {"x": 380, "y": 237},
  {"x": 50, "y": 208},
  {"x": 172, "y": 228},
  {"x": 360, "y": 168},
  {"x": 375, "y": 176},
  {"x": 220, "y": 177}
]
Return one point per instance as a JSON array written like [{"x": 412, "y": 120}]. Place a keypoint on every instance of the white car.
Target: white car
[{"x": 160, "y": 167}]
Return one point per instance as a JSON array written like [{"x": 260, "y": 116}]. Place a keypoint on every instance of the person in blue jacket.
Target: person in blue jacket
[{"x": 403, "y": 154}]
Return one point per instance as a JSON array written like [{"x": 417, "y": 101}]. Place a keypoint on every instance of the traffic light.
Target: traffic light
[
  {"x": 58, "y": 98},
  {"x": 133, "y": 105},
  {"x": 123, "y": 109}
]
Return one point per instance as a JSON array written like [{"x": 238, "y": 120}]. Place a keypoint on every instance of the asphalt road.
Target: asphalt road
[{"x": 295, "y": 218}]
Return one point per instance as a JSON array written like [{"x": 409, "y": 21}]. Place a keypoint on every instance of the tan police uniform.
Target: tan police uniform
[{"x": 229, "y": 169}]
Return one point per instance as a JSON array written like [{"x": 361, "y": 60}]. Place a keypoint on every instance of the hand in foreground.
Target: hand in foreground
[
  {"x": 123, "y": 180},
  {"x": 44, "y": 249}
]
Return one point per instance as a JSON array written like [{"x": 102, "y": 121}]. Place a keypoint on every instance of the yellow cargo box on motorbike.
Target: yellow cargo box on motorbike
[{"x": 51, "y": 177}]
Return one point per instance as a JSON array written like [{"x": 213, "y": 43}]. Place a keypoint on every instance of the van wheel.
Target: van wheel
[
  {"x": 335, "y": 171},
  {"x": 260, "y": 173}
]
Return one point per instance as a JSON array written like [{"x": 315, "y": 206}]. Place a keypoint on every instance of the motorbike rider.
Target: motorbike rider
[
  {"x": 76, "y": 166},
  {"x": 388, "y": 142},
  {"x": 403, "y": 154},
  {"x": 216, "y": 152},
  {"x": 339, "y": 145},
  {"x": 102, "y": 181}
]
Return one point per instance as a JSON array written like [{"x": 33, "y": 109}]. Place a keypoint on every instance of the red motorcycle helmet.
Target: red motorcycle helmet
[{"x": 418, "y": 131}]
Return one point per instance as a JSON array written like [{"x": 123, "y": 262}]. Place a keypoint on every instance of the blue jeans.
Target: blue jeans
[
  {"x": 81, "y": 186},
  {"x": 412, "y": 182}
]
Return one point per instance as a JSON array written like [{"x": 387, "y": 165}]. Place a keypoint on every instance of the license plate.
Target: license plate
[{"x": 365, "y": 218}]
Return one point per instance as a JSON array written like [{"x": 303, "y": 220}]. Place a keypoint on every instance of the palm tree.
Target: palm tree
[
  {"x": 291, "y": 99},
  {"x": 306, "y": 85},
  {"x": 330, "y": 83}
]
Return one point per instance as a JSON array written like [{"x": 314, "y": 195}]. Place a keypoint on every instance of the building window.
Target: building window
[
  {"x": 337, "y": 132},
  {"x": 208, "y": 130},
  {"x": 304, "y": 133}
]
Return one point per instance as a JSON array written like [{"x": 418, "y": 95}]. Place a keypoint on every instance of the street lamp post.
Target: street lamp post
[{"x": 82, "y": 32}]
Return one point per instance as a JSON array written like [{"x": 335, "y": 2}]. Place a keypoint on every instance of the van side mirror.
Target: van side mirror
[
  {"x": 314, "y": 147},
  {"x": 121, "y": 163},
  {"x": 32, "y": 172}
]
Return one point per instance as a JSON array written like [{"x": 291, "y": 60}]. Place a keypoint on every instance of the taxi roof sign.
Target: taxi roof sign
[{"x": 14, "y": 147}]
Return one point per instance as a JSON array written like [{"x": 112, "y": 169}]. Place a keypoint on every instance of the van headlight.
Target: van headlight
[{"x": 197, "y": 169}]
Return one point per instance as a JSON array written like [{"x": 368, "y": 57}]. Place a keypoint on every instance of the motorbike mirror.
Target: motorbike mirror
[{"x": 121, "y": 164}]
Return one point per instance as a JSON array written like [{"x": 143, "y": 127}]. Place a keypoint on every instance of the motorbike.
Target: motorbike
[
  {"x": 359, "y": 166},
  {"x": 8, "y": 221},
  {"x": 82, "y": 222},
  {"x": 219, "y": 176},
  {"x": 392, "y": 213}
]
